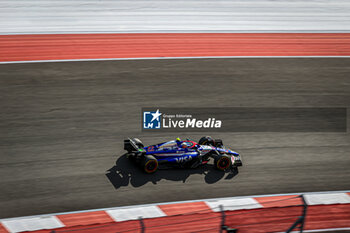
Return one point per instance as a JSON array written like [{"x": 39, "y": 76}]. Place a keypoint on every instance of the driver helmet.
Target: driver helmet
[{"x": 184, "y": 145}]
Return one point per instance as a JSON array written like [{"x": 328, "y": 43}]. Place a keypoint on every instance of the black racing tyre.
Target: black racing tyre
[
  {"x": 150, "y": 164},
  {"x": 218, "y": 143},
  {"x": 207, "y": 140},
  {"x": 222, "y": 162},
  {"x": 138, "y": 143}
]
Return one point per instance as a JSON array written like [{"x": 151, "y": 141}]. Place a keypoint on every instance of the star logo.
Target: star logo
[
  {"x": 156, "y": 115},
  {"x": 151, "y": 120}
]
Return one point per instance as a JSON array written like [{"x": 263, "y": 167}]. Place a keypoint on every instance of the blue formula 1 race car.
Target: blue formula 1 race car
[{"x": 185, "y": 154}]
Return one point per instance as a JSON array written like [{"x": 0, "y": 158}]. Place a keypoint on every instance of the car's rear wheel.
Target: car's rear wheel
[
  {"x": 207, "y": 140},
  {"x": 222, "y": 162},
  {"x": 150, "y": 164}
]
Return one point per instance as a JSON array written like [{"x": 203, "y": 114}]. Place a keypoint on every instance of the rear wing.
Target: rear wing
[{"x": 131, "y": 146}]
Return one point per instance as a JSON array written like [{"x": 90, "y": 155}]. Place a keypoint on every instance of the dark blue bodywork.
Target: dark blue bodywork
[{"x": 173, "y": 151}]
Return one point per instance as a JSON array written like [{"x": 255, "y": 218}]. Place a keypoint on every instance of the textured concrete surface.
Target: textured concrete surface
[
  {"x": 62, "y": 126},
  {"x": 81, "y": 16}
]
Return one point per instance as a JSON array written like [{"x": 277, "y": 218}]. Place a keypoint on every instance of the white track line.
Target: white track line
[
  {"x": 174, "y": 31},
  {"x": 165, "y": 58}
]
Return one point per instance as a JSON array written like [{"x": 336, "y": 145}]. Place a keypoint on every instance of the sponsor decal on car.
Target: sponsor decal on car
[{"x": 183, "y": 159}]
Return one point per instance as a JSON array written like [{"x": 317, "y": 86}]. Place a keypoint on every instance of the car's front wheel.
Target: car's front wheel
[{"x": 222, "y": 162}]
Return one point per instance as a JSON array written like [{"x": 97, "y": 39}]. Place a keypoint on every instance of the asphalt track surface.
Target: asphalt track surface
[{"x": 62, "y": 127}]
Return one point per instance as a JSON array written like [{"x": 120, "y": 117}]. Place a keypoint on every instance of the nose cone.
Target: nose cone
[{"x": 233, "y": 152}]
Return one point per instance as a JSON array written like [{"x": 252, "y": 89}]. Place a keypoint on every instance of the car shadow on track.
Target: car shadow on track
[{"x": 125, "y": 173}]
